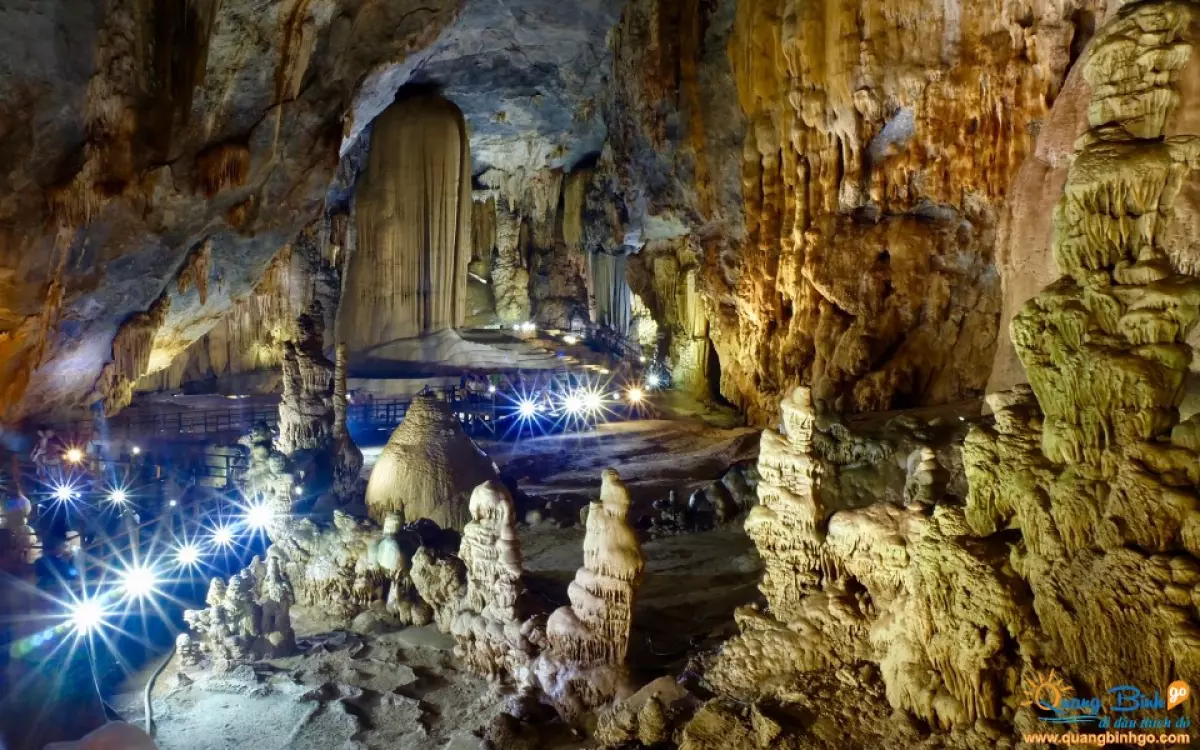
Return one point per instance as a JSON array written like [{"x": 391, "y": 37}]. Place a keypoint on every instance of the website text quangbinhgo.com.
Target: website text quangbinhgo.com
[{"x": 1101, "y": 739}]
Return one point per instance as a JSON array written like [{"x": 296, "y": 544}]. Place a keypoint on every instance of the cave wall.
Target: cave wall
[
  {"x": 158, "y": 156},
  {"x": 843, "y": 218}
]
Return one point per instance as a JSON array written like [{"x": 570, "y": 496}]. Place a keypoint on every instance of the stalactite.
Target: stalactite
[
  {"x": 407, "y": 277},
  {"x": 613, "y": 299},
  {"x": 195, "y": 271},
  {"x": 131, "y": 350},
  {"x": 221, "y": 167},
  {"x": 574, "y": 191}
]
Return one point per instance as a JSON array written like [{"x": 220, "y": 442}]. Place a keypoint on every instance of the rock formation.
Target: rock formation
[
  {"x": 246, "y": 620},
  {"x": 408, "y": 275},
  {"x": 491, "y": 631},
  {"x": 587, "y": 642},
  {"x": 428, "y": 468},
  {"x": 348, "y": 459},
  {"x": 269, "y": 479},
  {"x": 904, "y": 587},
  {"x": 1091, "y": 464},
  {"x": 145, "y": 157},
  {"x": 306, "y": 410}
]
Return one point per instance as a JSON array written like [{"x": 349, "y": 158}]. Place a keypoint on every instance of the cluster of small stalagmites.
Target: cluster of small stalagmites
[
  {"x": 247, "y": 619},
  {"x": 1096, "y": 473},
  {"x": 270, "y": 478},
  {"x": 306, "y": 409},
  {"x": 351, "y": 567},
  {"x": 491, "y": 632},
  {"x": 926, "y": 478}
]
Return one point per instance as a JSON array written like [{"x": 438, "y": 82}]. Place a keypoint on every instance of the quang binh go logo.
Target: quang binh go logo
[
  {"x": 1045, "y": 691},
  {"x": 1120, "y": 707}
]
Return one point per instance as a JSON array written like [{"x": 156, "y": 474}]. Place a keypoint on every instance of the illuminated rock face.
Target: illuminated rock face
[
  {"x": 408, "y": 274},
  {"x": 902, "y": 586},
  {"x": 428, "y": 468},
  {"x": 839, "y": 202},
  {"x": 1077, "y": 548},
  {"x": 1091, "y": 464}
]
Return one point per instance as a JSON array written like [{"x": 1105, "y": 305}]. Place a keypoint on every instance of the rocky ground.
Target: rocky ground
[{"x": 404, "y": 689}]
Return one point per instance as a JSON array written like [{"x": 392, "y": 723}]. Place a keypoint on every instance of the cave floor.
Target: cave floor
[{"x": 404, "y": 689}]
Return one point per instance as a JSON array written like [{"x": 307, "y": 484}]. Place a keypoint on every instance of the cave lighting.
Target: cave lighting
[
  {"x": 64, "y": 493},
  {"x": 528, "y": 326},
  {"x": 517, "y": 327},
  {"x": 222, "y": 536},
  {"x": 593, "y": 401},
  {"x": 574, "y": 403},
  {"x": 173, "y": 503},
  {"x": 298, "y": 490},
  {"x": 86, "y": 616},
  {"x": 259, "y": 516},
  {"x": 653, "y": 380},
  {"x": 118, "y": 496},
  {"x": 569, "y": 339},
  {"x": 136, "y": 450},
  {"x": 491, "y": 388},
  {"x": 642, "y": 360},
  {"x": 188, "y": 554},
  {"x": 527, "y": 408},
  {"x": 138, "y": 582},
  {"x": 635, "y": 395},
  {"x": 73, "y": 455}
]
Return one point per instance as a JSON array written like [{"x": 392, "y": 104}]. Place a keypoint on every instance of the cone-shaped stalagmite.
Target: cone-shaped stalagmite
[{"x": 408, "y": 275}]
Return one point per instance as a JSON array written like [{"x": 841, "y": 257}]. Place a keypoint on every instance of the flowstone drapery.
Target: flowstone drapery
[
  {"x": 408, "y": 275},
  {"x": 1093, "y": 467}
]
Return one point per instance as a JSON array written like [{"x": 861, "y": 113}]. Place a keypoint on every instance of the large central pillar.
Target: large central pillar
[{"x": 408, "y": 274}]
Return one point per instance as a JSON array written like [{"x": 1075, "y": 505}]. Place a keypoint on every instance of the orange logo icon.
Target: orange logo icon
[
  {"x": 1177, "y": 692},
  {"x": 1045, "y": 691}
]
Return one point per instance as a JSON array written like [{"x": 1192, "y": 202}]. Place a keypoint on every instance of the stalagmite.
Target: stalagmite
[
  {"x": 510, "y": 277},
  {"x": 588, "y": 640},
  {"x": 348, "y": 459},
  {"x": 1091, "y": 464},
  {"x": 490, "y": 629},
  {"x": 408, "y": 275},
  {"x": 428, "y": 468},
  {"x": 306, "y": 409}
]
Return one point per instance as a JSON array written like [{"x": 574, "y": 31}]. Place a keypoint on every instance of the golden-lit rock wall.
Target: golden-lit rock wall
[{"x": 882, "y": 138}]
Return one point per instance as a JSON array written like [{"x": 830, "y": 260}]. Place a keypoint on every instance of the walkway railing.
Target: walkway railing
[{"x": 477, "y": 412}]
